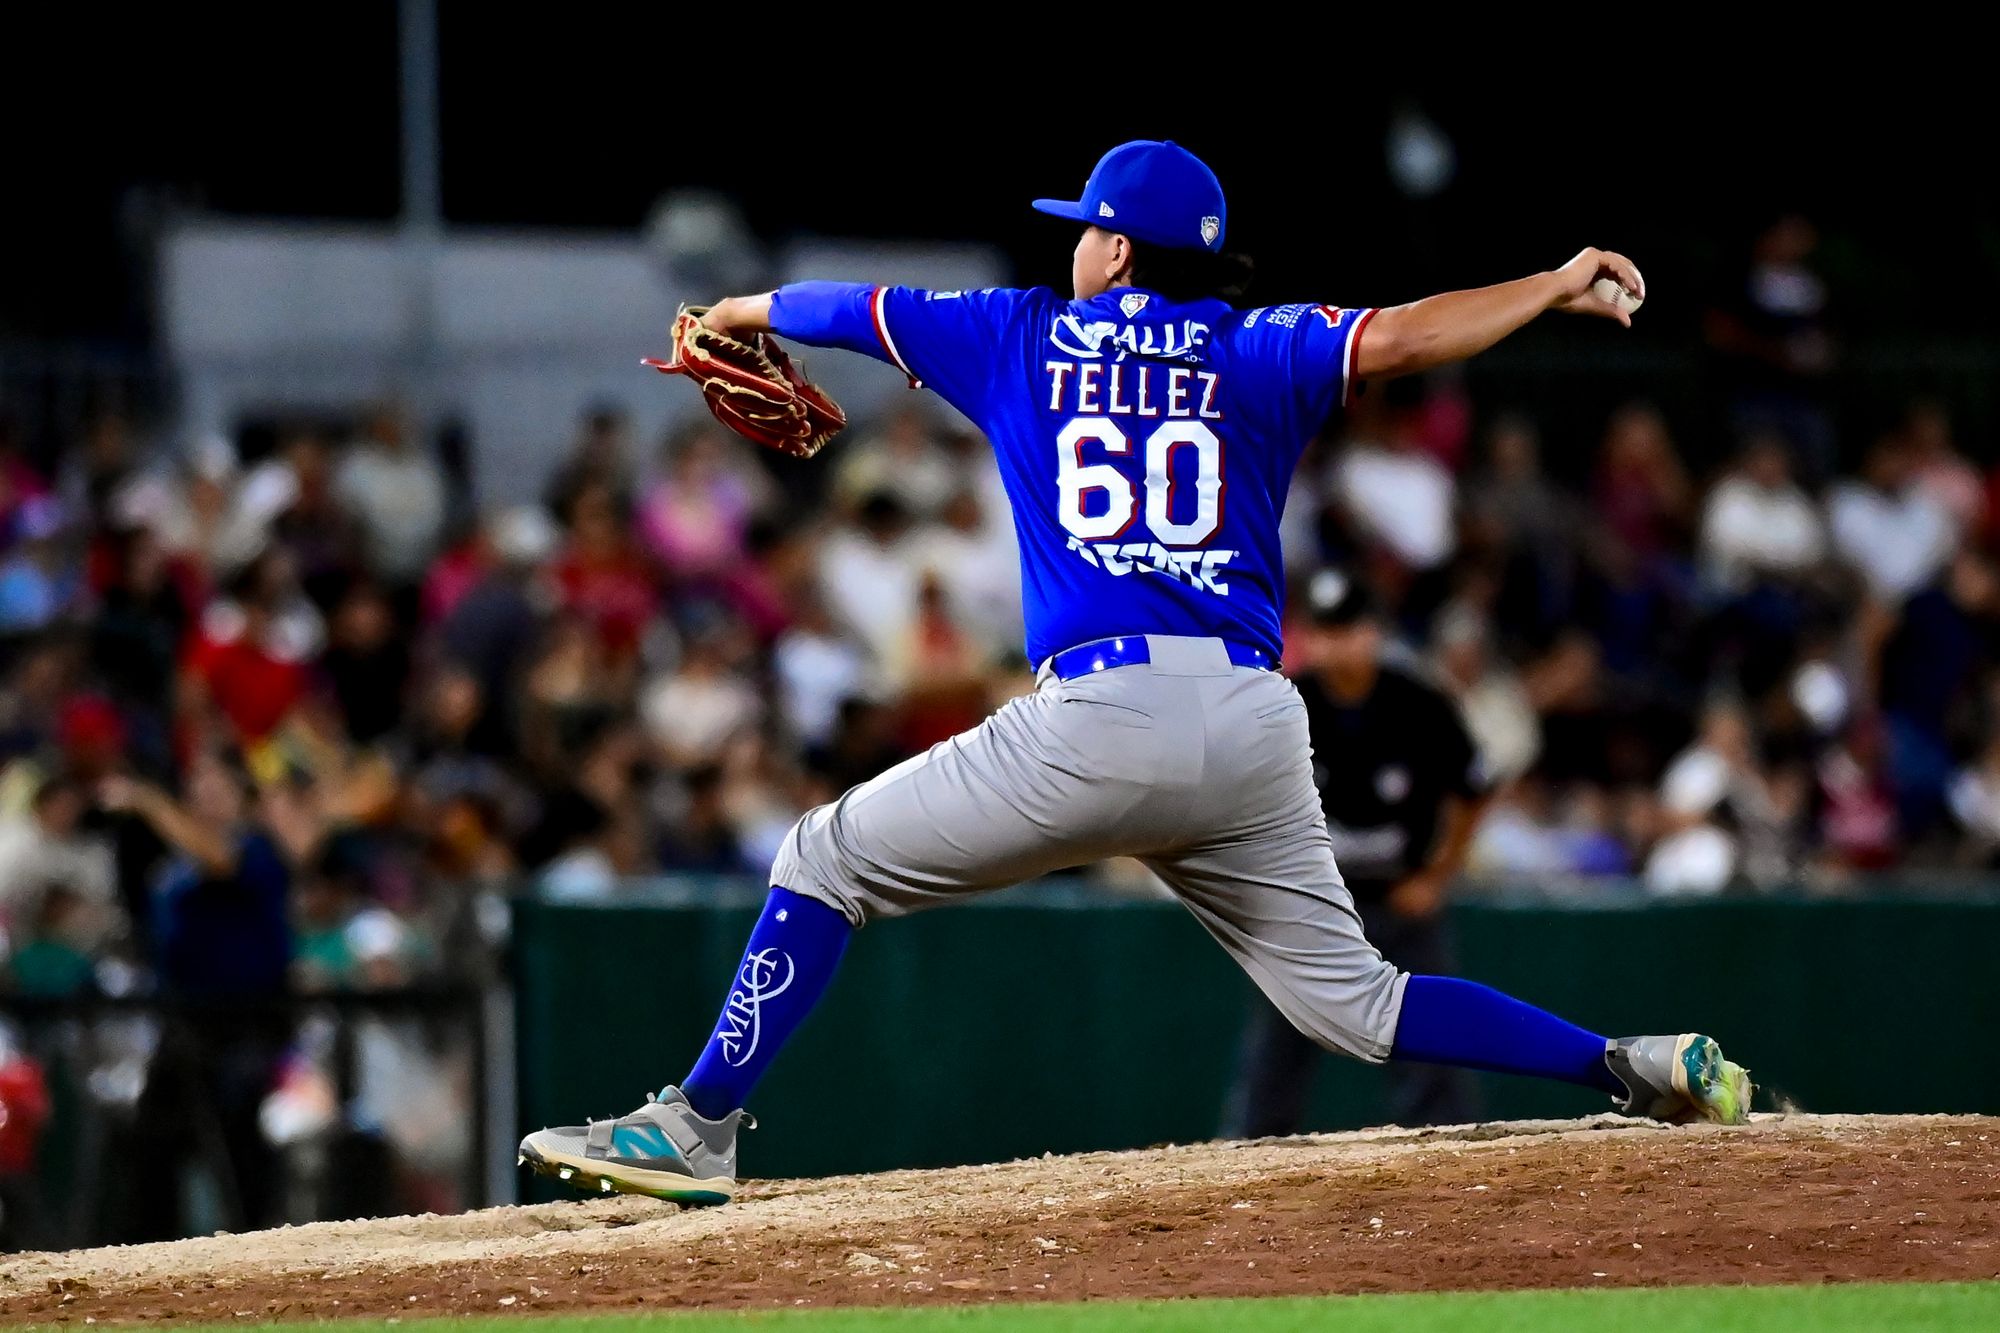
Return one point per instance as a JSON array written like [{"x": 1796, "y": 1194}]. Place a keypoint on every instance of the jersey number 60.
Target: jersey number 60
[{"x": 1076, "y": 479}]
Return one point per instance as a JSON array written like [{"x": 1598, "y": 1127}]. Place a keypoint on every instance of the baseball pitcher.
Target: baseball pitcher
[{"x": 1146, "y": 430}]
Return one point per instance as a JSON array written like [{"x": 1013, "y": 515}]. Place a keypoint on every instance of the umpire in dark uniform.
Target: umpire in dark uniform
[{"x": 1403, "y": 789}]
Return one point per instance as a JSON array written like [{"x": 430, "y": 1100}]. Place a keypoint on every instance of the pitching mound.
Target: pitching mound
[{"x": 1527, "y": 1204}]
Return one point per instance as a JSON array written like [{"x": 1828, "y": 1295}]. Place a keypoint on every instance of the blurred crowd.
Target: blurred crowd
[
  {"x": 300, "y": 721},
  {"x": 291, "y": 712},
  {"x": 1742, "y": 680}
]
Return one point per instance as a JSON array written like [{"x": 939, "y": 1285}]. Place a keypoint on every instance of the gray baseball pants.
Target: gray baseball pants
[{"x": 1199, "y": 768}]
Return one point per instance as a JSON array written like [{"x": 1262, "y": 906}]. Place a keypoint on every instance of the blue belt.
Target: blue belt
[{"x": 1131, "y": 650}]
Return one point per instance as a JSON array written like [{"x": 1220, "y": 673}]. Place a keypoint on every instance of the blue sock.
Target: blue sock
[
  {"x": 793, "y": 950},
  {"x": 1451, "y": 1022}
]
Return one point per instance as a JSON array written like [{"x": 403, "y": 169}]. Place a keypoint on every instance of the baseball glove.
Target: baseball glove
[{"x": 751, "y": 386}]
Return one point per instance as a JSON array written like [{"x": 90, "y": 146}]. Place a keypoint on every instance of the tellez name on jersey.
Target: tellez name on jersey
[{"x": 1093, "y": 379}]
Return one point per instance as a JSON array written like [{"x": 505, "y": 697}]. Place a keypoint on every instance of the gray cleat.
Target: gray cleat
[
  {"x": 663, "y": 1149},
  {"x": 1679, "y": 1079}
]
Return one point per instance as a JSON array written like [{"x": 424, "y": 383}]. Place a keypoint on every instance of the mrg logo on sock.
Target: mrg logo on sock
[{"x": 764, "y": 975}]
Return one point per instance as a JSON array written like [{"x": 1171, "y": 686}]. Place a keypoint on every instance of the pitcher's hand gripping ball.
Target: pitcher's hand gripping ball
[
  {"x": 751, "y": 386},
  {"x": 1613, "y": 293}
]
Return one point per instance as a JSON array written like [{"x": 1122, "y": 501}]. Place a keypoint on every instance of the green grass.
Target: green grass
[{"x": 1826, "y": 1309}]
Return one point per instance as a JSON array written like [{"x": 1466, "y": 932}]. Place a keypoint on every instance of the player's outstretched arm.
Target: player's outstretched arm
[
  {"x": 847, "y": 315},
  {"x": 1405, "y": 339},
  {"x": 940, "y": 340}
]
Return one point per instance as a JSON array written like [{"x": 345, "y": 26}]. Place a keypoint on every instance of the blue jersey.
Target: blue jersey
[{"x": 1146, "y": 446}]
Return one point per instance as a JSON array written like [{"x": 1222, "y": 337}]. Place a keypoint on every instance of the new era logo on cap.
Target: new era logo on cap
[{"x": 1104, "y": 210}]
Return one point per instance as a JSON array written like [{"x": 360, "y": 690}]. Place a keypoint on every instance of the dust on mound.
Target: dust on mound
[{"x": 1526, "y": 1204}]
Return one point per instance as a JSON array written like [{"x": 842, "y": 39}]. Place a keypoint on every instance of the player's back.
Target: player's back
[
  {"x": 1147, "y": 447},
  {"x": 1146, "y": 444}
]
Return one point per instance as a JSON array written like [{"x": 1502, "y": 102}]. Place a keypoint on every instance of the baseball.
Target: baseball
[{"x": 1609, "y": 291}]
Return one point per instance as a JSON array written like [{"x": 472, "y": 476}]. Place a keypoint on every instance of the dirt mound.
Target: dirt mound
[{"x": 1527, "y": 1204}]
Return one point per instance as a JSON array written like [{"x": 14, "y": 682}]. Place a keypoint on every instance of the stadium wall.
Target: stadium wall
[{"x": 1043, "y": 1021}]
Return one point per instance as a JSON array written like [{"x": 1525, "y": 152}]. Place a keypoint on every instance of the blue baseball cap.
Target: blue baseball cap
[{"x": 1153, "y": 191}]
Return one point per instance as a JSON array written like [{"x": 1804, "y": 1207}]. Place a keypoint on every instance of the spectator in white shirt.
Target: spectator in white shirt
[
  {"x": 44, "y": 846},
  {"x": 1941, "y": 471},
  {"x": 817, "y": 668},
  {"x": 1974, "y": 797},
  {"x": 869, "y": 574},
  {"x": 979, "y": 567},
  {"x": 1719, "y": 783},
  {"x": 695, "y": 712},
  {"x": 398, "y": 497},
  {"x": 1402, "y": 498},
  {"x": 1885, "y": 526},
  {"x": 210, "y": 511},
  {"x": 1759, "y": 525},
  {"x": 1695, "y": 856},
  {"x": 1496, "y": 707},
  {"x": 903, "y": 458}
]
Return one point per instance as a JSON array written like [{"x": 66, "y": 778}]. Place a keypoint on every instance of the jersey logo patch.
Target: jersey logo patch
[
  {"x": 1132, "y": 303},
  {"x": 1181, "y": 341},
  {"x": 1210, "y": 229}
]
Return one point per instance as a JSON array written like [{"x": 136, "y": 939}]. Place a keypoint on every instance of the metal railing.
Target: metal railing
[{"x": 169, "y": 1117}]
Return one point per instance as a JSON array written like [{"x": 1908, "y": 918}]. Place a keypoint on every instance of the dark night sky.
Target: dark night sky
[{"x": 577, "y": 121}]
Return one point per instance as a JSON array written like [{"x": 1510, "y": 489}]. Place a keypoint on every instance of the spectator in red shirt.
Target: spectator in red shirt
[
  {"x": 19, "y": 482},
  {"x": 941, "y": 670},
  {"x": 456, "y": 572},
  {"x": 1643, "y": 496},
  {"x": 601, "y": 578},
  {"x": 24, "y": 1109},
  {"x": 248, "y": 662},
  {"x": 1857, "y": 817},
  {"x": 695, "y": 517},
  {"x": 90, "y": 735}
]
